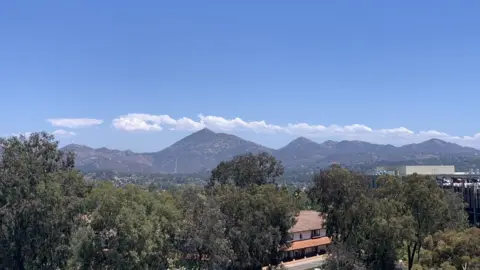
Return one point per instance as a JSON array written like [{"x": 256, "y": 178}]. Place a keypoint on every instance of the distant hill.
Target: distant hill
[
  {"x": 439, "y": 147},
  {"x": 303, "y": 149},
  {"x": 204, "y": 149},
  {"x": 104, "y": 159},
  {"x": 201, "y": 151}
]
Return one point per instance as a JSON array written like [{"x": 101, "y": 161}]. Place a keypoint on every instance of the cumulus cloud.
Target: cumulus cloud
[
  {"x": 74, "y": 122},
  {"x": 63, "y": 133},
  {"x": 396, "y": 136},
  {"x": 223, "y": 124},
  {"x": 148, "y": 122}
]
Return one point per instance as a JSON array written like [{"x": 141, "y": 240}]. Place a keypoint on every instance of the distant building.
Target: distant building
[
  {"x": 309, "y": 237},
  {"x": 419, "y": 169}
]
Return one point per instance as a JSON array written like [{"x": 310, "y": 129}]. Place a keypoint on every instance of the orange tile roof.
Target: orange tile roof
[
  {"x": 310, "y": 243},
  {"x": 307, "y": 220}
]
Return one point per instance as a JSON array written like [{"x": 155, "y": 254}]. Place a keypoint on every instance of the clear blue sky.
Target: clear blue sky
[{"x": 382, "y": 64}]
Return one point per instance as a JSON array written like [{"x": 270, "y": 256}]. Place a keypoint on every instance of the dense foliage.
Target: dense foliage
[
  {"x": 40, "y": 197},
  {"x": 452, "y": 250},
  {"x": 51, "y": 217},
  {"x": 374, "y": 228}
]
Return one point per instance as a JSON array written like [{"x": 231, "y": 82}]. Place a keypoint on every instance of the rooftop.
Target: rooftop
[
  {"x": 310, "y": 243},
  {"x": 307, "y": 220}
]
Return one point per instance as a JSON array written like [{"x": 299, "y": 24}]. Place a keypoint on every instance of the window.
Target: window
[
  {"x": 300, "y": 236},
  {"x": 316, "y": 233}
]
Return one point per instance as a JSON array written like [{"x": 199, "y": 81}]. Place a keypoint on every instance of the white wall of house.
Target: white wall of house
[
  {"x": 302, "y": 235},
  {"x": 307, "y": 235}
]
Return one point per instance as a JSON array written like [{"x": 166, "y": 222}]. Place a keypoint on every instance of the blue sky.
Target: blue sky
[{"x": 382, "y": 71}]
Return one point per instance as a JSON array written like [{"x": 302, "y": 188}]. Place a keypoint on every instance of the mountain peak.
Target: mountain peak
[
  {"x": 74, "y": 147},
  {"x": 436, "y": 145},
  {"x": 302, "y": 140},
  {"x": 436, "y": 141},
  {"x": 203, "y": 150},
  {"x": 204, "y": 131},
  {"x": 201, "y": 136}
]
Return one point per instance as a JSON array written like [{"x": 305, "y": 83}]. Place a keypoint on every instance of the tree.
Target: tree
[
  {"x": 415, "y": 207},
  {"x": 428, "y": 209},
  {"x": 342, "y": 259},
  {"x": 258, "y": 214},
  {"x": 125, "y": 228},
  {"x": 201, "y": 236},
  {"x": 342, "y": 196},
  {"x": 356, "y": 220},
  {"x": 301, "y": 199},
  {"x": 374, "y": 223},
  {"x": 247, "y": 169},
  {"x": 257, "y": 221},
  {"x": 40, "y": 194},
  {"x": 460, "y": 249}
]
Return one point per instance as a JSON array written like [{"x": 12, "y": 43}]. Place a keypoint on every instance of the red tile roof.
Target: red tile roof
[
  {"x": 308, "y": 220},
  {"x": 310, "y": 243}
]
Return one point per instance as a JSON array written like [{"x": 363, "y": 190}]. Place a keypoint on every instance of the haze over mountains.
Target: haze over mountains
[{"x": 204, "y": 149}]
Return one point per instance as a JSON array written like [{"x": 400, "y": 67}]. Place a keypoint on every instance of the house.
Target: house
[{"x": 308, "y": 236}]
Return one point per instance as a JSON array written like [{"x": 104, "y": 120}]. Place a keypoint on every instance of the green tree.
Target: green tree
[
  {"x": 373, "y": 224},
  {"x": 247, "y": 169},
  {"x": 40, "y": 195},
  {"x": 341, "y": 258},
  {"x": 459, "y": 249},
  {"x": 258, "y": 214},
  {"x": 201, "y": 235},
  {"x": 428, "y": 209},
  {"x": 356, "y": 220},
  {"x": 257, "y": 222},
  {"x": 125, "y": 228},
  {"x": 301, "y": 200},
  {"x": 343, "y": 197}
]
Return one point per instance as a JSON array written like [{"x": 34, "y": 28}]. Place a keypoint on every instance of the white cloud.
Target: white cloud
[
  {"x": 148, "y": 122},
  {"x": 63, "y": 133},
  {"x": 74, "y": 122},
  {"x": 223, "y": 124},
  {"x": 400, "y": 130},
  {"x": 396, "y": 136}
]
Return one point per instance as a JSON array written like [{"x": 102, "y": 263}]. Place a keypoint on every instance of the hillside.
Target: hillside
[
  {"x": 302, "y": 150},
  {"x": 204, "y": 149},
  {"x": 201, "y": 151},
  {"x": 104, "y": 159}
]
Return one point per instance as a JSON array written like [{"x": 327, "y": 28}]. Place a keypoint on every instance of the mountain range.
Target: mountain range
[{"x": 204, "y": 149}]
